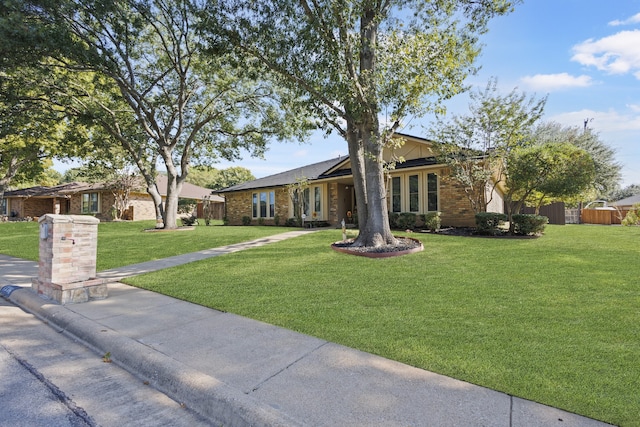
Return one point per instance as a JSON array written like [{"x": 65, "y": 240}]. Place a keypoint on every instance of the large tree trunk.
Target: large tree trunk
[
  {"x": 376, "y": 231},
  {"x": 356, "y": 157}
]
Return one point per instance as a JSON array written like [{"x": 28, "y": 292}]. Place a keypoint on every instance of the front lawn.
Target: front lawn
[
  {"x": 554, "y": 320},
  {"x": 124, "y": 243}
]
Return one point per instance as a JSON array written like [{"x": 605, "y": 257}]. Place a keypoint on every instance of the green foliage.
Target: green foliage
[
  {"x": 633, "y": 216},
  {"x": 623, "y": 193},
  {"x": 525, "y": 317},
  {"x": 527, "y": 224},
  {"x": 402, "y": 221},
  {"x": 351, "y": 63},
  {"x": 607, "y": 169},
  {"x": 246, "y": 220},
  {"x": 432, "y": 221},
  {"x": 476, "y": 146},
  {"x": 186, "y": 206},
  {"x": 216, "y": 179},
  {"x": 490, "y": 223},
  {"x": 292, "y": 222}
]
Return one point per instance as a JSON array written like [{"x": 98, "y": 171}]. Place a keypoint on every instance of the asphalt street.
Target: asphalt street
[{"x": 48, "y": 379}]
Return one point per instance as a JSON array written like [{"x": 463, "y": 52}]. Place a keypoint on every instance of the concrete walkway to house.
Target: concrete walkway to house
[{"x": 235, "y": 371}]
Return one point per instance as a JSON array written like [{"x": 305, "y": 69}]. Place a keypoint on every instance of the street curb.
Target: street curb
[{"x": 202, "y": 393}]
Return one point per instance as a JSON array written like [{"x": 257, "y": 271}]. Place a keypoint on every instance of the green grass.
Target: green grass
[
  {"x": 124, "y": 243},
  {"x": 554, "y": 320}
]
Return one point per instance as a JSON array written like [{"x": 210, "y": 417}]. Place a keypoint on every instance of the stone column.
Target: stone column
[{"x": 67, "y": 266}]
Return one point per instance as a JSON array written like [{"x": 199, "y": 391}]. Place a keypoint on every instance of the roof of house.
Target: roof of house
[
  {"x": 189, "y": 191},
  {"x": 310, "y": 172},
  {"x": 629, "y": 201},
  {"x": 322, "y": 170}
]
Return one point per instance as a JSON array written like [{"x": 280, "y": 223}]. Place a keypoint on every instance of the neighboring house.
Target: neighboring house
[
  {"x": 627, "y": 204},
  {"x": 419, "y": 185},
  {"x": 92, "y": 199}
]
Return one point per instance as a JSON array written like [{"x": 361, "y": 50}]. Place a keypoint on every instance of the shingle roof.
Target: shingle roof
[
  {"x": 55, "y": 191},
  {"x": 629, "y": 201},
  {"x": 189, "y": 191},
  {"x": 310, "y": 172}
]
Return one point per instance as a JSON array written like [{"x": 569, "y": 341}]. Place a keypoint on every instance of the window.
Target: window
[
  {"x": 90, "y": 203},
  {"x": 432, "y": 192},
  {"x": 312, "y": 202},
  {"x": 414, "y": 193},
  {"x": 264, "y": 204},
  {"x": 396, "y": 195},
  {"x": 3, "y": 206}
]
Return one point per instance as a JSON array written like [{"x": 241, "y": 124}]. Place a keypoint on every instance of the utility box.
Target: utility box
[{"x": 67, "y": 266}]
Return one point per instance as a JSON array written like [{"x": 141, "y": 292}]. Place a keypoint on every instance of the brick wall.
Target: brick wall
[
  {"x": 239, "y": 205},
  {"x": 454, "y": 205}
]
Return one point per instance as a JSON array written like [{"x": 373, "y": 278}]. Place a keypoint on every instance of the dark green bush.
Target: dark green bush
[
  {"x": 432, "y": 221},
  {"x": 526, "y": 224},
  {"x": 291, "y": 222},
  {"x": 246, "y": 220},
  {"x": 402, "y": 221},
  {"x": 488, "y": 223}
]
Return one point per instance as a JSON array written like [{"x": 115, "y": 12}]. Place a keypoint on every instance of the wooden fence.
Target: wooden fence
[
  {"x": 555, "y": 212},
  {"x": 603, "y": 216}
]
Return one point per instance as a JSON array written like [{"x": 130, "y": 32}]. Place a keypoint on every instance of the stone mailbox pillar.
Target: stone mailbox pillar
[{"x": 67, "y": 267}]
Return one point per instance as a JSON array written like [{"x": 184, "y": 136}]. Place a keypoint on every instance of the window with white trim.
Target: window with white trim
[
  {"x": 90, "y": 203},
  {"x": 3, "y": 206},
  {"x": 263, "y": 204},
  {"x": 396, "y": 194},
  {"x": 312, "y": 202},
  {"x": 414, "y": 193},
  {"x": 432, "y": 192}
]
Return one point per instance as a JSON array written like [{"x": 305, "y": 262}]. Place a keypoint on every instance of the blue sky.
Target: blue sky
[{"x": 583, "y": 54}]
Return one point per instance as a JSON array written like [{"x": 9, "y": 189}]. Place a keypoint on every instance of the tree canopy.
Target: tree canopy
[
  {"x": 362, "y": 67},
  {"x": 135, "y": 68},
  {"x": 476, "y": 145}
]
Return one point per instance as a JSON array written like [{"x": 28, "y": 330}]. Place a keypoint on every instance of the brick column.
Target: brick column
[{"x": 67, "y": 266}]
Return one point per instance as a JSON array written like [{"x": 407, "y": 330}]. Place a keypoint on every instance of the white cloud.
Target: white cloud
[
  {"x": 635, "y": 19},
  {"x": 603, "y": 121},
  {"x": 301, "y": 153},
  {"x": 615, "y": 54},
  {"x": 551, "y": 82}
]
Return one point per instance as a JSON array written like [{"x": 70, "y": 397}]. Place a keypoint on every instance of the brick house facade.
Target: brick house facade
[
  {"x": 78, "y": 198},
  {"x": 419, "y": 185}
]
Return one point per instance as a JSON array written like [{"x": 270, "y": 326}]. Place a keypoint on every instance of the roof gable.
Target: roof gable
[{"x": 310, "y": 172}]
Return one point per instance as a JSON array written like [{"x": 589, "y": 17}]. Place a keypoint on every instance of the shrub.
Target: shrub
[
  {"x": 527, "y": 224},
  {"x": 276, "y": 220},
  {"x": 633, "y": 216},
  {"x": 246, "y": 220},
  {"x": 291, "y": 222},
  {"x": 489, "y": 223},
  {"x": 225, "y": 220},
  {"x": 432, "y": 221},
  {"x": 402, "y": 221}
]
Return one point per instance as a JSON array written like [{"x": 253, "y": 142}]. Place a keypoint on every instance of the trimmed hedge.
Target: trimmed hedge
[
  {"x": 402, "y": 221},
  {"x": 527, "y": 224},
  {"x": 432, "y": 221},
  {"x": 489, "y": 223}
]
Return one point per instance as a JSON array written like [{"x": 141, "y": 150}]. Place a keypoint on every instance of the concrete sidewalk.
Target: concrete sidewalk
[{"x": 240, "y": 372}]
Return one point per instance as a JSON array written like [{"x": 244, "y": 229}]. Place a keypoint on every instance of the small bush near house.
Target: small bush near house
[
  {"x": 186, "y": 206},
  {"x": 276, "y": 220},
  {"x": 488, "y": 223},
  {"x": 246, "y": 220},
  {"x": 633, "y": 216},
  {"x": 432, "y": 221},
  {"x": 260, "y": 221},
  {"x": 291, "y": 222},
  {"x": 527, "y": 224},
  {"x": 402, "y": 221}
]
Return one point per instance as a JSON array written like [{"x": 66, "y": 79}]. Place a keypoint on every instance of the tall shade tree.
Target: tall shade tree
[
  {"x": 139, "y": 73},
  {"x": 607, "y": 169},
  {"x": 476, "y": 145},
  {"x": 363, "y": 66},
  {"x": 557, "y": 170}
]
